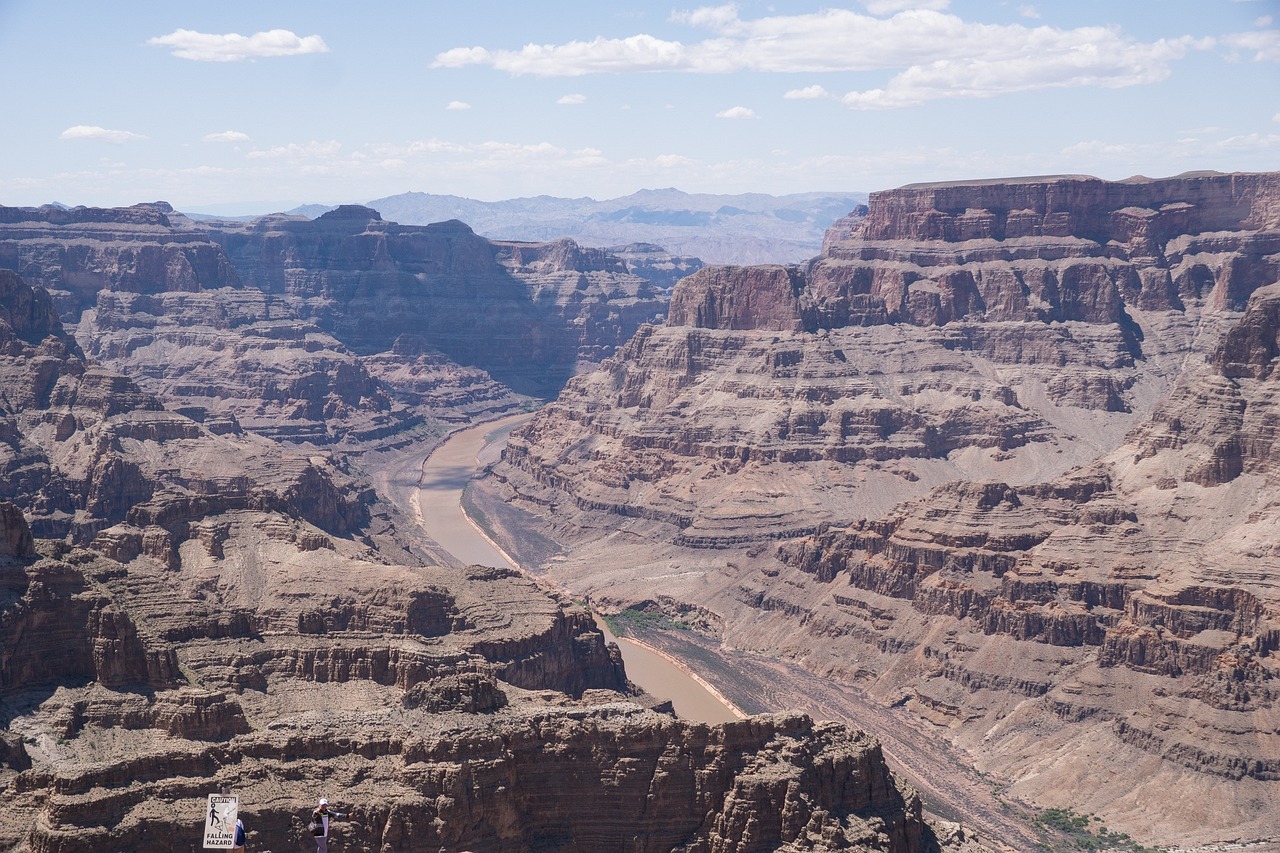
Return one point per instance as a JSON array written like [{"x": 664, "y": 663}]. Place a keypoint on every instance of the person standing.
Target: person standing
[
  {"x": 320, "y": 819},
  {"x": 238, "y": 844}
]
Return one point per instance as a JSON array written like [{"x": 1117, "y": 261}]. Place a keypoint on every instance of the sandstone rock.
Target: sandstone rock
[
  {"x": 222, "y": 611},
  {"x": 289, "y": 326},
  {"x": 570, "y": 777},
  {"x": 15, "y": 533},
  {"x": 1016, "y": 438}
]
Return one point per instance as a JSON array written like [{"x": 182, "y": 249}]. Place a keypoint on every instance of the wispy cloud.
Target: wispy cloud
[
  {"x": 1186, "y": 150},
  {"x": 807, "y": 93},
  {"x": 102, "y": 134},
  {"x": 889, "y": 7},
  {"x": 736, "y": 112},
  {"x": 636, "y": 53},
  {"x": 570, "y": 100},
  {"x": 1058, "y": 67},
  {"x": 457, "y": 105},
  {"x": 1259, "y": 45},
  {"x": 934, "y": 54},
  {"x": 233, "y": 47},
  {"x": 312, "y": 150},
  {"x": 227, "y": 136}
]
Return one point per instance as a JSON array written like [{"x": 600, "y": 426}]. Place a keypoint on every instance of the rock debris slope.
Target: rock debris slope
[
  {"x": 188, "y": 606},
  {"x": 1002, "y": 456}
]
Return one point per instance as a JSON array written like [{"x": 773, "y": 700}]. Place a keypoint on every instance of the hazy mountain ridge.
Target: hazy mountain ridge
[{"x": 742, "y": 228}]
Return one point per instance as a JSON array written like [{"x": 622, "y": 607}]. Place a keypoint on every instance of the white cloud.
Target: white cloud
[
  {"x": 736, "y": 112},
  {"x": 1029, "y": 11},
  {"x": 1188, "y": 150},
  {"x": 714, "y": 17},
  {"x": 102, "y": 134},
  {"x": 458, "y": 105},
  {"x": 569, "y": 100},
  {"x": 1263, "y": 21},
  {"x": 807, "y": 93},
  {"x": 310, "y": 151},
  {"x": 1045, "y": 61},
  {"x": 491, "y": 152},
  {"x": 889, "y": 7},
  {"x": 227, "y": 136},
  {"x": 232, "y": 47},
  {"x": 1264, "y": 45},
  {"x": 936, "y": 54},
  {"x": 636, "y": 53}
]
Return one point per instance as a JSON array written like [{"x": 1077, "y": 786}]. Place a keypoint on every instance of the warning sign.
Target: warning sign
[{"x": 220, "y": 821}]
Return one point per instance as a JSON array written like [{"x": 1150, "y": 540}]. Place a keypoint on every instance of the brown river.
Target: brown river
[{"x": 438, "y": 504}]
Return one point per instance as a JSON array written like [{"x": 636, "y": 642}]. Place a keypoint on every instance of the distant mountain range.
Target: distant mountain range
[{"x": 748, "y": 228}]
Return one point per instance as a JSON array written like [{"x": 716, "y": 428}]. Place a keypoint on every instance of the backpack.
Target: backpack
[
  {"x": 316, "y": 827},
  {"x": 239, "y": 835}
]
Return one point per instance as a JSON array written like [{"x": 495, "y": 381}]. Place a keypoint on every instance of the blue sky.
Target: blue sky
[{"x": 248, "y": 107}]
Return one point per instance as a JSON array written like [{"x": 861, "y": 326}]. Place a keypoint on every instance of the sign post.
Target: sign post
[{"x": 220, "y": 821}]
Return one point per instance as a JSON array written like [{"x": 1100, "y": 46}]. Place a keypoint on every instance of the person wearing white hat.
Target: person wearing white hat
[{"x": 319, "y": 825}]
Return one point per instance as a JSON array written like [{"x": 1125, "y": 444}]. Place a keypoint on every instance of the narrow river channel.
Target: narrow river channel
[{"x": 445, "y": 475}]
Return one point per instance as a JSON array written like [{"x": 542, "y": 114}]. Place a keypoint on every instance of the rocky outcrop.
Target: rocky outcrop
[
  {"x": 656, "y": 265},
  {"x": 15, "y": 534},
  {"x": 289, "y": 327},
  {"x": 1016, "y": 438},
  {"x": 523, "y": 778},
  {"x": 766, "y": 298},
  {"x": 1138, "y": 211},
  {"x": 921, "y": 346}
]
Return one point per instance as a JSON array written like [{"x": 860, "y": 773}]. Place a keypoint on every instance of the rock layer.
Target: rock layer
[
  {"x": 1017, "y": 438},
  {"x": 202, "y": 607},
  {"x": 333, "y": 331}
]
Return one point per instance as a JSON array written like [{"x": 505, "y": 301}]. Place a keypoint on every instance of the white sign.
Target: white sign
[{"x": 220, "y": 821}]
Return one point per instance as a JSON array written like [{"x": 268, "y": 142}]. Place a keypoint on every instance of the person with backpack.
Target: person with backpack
[
  {"x": 238, "y": 844},
  {"x": 319, "y": 826}
]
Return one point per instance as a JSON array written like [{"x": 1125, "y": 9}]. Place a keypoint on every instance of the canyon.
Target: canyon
[
  {"x": 999, "y": 460},
  {"x": 975, "y": 510},
  {"x": 206, "y": 586}
]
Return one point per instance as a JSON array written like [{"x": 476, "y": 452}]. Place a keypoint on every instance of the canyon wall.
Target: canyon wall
[
  {"x": 188, "y": 606},
  {"x": 345, "y": 330},
  {"x": 1000, "y": 457}
]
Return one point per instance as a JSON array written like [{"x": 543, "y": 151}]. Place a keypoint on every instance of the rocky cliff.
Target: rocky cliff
[
  {"x": 188, "y": 606},
  {"x": 344, "y": 330},
  {"x": 1015, "y": 440}
]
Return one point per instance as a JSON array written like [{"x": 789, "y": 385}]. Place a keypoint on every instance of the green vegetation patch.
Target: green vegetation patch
[
  {"x": 633, "y": 622},
  {"x": 1087, "y": 833}
]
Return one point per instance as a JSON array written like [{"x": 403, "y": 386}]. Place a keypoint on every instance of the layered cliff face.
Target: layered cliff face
[
  {"x": 186, "y": 606},
  {"x": 347, "y": 330},
  {"x": 1016, "y": 438}
]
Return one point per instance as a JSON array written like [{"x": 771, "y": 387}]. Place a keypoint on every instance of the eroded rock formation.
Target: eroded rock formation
[
  {"x": 1017, "y": 440},
  {"x": 187, "y": 606},
  {"x": 345, "y": 330}
]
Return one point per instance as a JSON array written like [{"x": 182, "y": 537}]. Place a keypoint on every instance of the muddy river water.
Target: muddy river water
[{"x": 445, "y": 475}]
